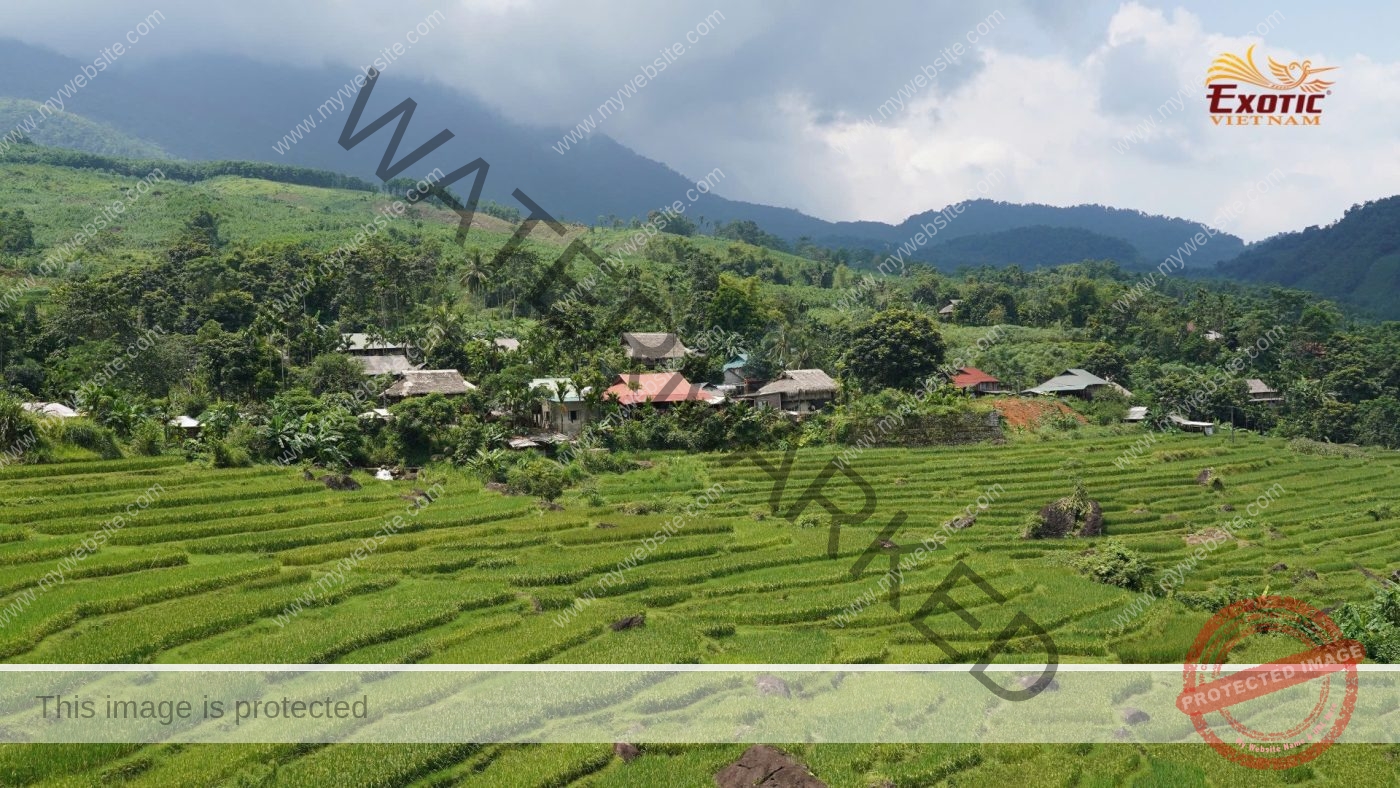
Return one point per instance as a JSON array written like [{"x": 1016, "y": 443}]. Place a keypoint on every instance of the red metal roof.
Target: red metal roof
[
  {"x": 654, "y": 387},
  {"x": 968, "y": 377}
]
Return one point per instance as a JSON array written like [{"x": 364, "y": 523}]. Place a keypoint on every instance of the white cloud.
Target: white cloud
[
  {"x": 774, "y": 94},
  {"x": 1050, "y": 123}
]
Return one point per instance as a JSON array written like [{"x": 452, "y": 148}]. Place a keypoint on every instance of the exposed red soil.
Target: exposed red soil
[{"x": 1026, "y": 413}]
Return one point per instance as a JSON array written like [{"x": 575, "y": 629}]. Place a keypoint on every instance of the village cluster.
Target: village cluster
[{"x": 560, "y": 410}]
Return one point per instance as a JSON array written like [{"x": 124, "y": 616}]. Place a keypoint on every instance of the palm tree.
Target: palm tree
[
  {"x": 476, "y": 273},
  {"x": 778, "y": 345}
]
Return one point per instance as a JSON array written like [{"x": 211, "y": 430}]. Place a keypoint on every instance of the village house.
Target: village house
[
  {"x": 362, "y": 344},
  {"x": 374, "y": 366},
  {"x": 977, "y": 383},
  {"x": 661, "y": 389},
  {"x": 653, "y": 349},
  {"x": 376, "y": 355},
  {"x": 506, "y": 344},
  {"x": 736, "y": 371},
  {"x": 422, "y": 382},
  {"x": 564, "y": 414},
  {"x": 946, "y": 313},
  {"x": 740, "y": 377},
  {"x": 187, "y": 426},
  {"x": 1077, "y": 383},
  {"x": 1187, "y": 425},
  {"x": 1259, "y": 391},
  {"x": 1136, "y": 414},
  {"x": 798, "y": 391}
]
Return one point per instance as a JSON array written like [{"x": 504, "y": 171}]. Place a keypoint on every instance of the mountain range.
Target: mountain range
[{"x": 204, "y": 107}]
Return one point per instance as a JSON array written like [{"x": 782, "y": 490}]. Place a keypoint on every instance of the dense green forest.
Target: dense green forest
[
  {"x": 1356, "y": 259},
  {"x": 1031, "y": 247},
  {"x": 225, "y": 298}
]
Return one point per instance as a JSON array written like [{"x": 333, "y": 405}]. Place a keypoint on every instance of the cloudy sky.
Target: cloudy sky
[{"x": 786, "y": 96}]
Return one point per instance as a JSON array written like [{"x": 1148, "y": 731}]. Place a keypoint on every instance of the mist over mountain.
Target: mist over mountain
[{"x": 225, "y": 107}]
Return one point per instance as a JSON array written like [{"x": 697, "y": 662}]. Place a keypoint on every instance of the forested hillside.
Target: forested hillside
[
  {"x": 252, "y": 282},
  {"x": 75, "y": 132},
  {"x": 1356, "y": 259},
  {"x": 1031, "y": 247}
]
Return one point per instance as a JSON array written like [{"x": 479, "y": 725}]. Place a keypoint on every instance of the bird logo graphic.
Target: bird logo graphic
[{"x": 1296, "y": 75}]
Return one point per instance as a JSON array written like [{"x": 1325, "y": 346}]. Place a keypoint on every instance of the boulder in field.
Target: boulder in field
[
  {"x": 762, "y": 766},
  {"x": 959, "y": 523},
  {"x": 1134, "y": 716},
  {"x": 630, "y": 622},
  {"x": 768, "y": 684}
]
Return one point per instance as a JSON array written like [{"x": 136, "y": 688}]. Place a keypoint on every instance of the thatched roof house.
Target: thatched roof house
[
  {"x": 373, "y": 366},
  {"x": 653, "y": 347},
  {"x": 798, "y": 390},
  {"x": 1259, "y": 391},
  {"x": 422, "y": 382}
]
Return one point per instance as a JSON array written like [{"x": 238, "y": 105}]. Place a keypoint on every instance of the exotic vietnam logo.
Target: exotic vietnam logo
[{"x": 1293, "y": 96}]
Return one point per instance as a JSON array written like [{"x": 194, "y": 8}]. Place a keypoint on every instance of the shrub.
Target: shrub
[
  {"x": 1213, "y": 599},
  {"x": 491, "y": 465},
  {"x": 19, "y": 430},
  {"x": 537, "y": 476},
  {"x": 1113, "y": 563},
  {"x": 592, "y": 494},
  {"x": 148, "y": 439},
  {"x": 466, "y": 439},
  {"x": 224, "y": 454},
  {"x": 88, "y": 434},
  {"x": 420, "y": 426},
  {"x": 1376, "y": 624},
  {"x": 1326, "y": 449}
]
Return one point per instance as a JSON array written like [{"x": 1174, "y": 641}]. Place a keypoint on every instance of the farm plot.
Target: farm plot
[{"x": 257, "y": 565}]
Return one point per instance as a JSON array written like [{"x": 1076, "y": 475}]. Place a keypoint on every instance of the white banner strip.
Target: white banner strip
[{"x": 686, "y": 704}]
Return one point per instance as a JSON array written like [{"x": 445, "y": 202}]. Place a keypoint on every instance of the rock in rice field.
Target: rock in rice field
[
  {"x": 762, "y": 766},
  {"x": 768, "y": 684},
  {"x": 630, "y": 622},
  {"x": 1134, "y": 716}
]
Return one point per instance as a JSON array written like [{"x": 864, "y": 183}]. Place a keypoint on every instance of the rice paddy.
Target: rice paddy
[{"x": 223, "y": 567}]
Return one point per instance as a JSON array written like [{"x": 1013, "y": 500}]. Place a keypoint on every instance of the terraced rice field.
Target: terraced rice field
[{"x": 203, "y": 573}]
